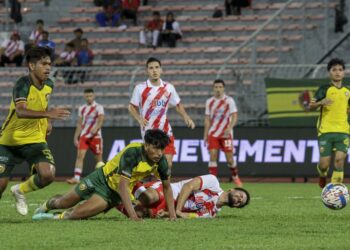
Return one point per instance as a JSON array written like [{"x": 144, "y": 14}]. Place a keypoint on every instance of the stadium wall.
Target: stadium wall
[{"x": 261, "y": 152}]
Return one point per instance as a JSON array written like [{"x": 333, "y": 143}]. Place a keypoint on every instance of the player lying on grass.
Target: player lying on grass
[
  {"x": 111, "y": 185},
  {"x": 201, "y": 196}
]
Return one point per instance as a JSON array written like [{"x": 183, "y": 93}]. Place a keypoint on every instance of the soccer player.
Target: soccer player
[
  {"x": 332, "y": 126},
  {"x": 88, "y": 133},
  {"x": 23, "y": 134},
  {"x": 200, "y": 197},
  {"x": 220, "y": 118},
  {"x": 111, "y": 185},
  {"x": 149, "y": 105}
]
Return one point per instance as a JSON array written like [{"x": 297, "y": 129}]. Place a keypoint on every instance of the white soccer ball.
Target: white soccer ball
[{"x": 335, "y": 196}]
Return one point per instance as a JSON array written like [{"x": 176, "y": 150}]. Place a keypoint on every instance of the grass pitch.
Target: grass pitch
[{"x": 280, "y": 216}]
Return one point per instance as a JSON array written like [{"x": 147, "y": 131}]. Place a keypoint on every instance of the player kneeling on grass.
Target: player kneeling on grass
[
  {"x": 200, "y": 197},
  {"x": 111, "y": 185}
]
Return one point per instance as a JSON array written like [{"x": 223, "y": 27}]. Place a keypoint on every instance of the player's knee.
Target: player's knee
[
  {"x": 46, "y": 177},
  {"x": 339, "y": 162}
]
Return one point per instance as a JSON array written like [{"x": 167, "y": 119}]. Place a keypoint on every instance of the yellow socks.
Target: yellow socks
[
  {"x": 28, "y": 185},
  {"x": 337, "y": 176}
]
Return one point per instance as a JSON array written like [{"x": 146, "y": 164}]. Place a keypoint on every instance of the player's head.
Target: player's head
[
  {"x": 84, "y": 43},
  {"x": 170, "y": 17},
  {"x": 78, "y": 32},
  {"x": 39, "y": 62},
  {"x": 156, "y": 15},
  {"x": 218, "y": 87},
  {"x": 45, "y": 35},
  {"x": 15, "y": 36},
  {"x": 336, "y": 69},
  {"x": 237, "y": 198},
  {"x": 154, "y": 68},
  {"x": 155, "y": 142},
  {"x": 89, "y": 96},
  {"x": 39, "y": 24},
  {"x": 69, "y": 47}
]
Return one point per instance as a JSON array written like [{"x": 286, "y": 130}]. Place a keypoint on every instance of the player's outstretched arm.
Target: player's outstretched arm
[
  {"x": 125, "y": 195},
  {"x": 187, "y": 119},
  {"x": 324, "y": 102},
  {"x": 55, "y": 114},
  {"x": 168, "y": 193},
  {"x": 186, "y": 190}
]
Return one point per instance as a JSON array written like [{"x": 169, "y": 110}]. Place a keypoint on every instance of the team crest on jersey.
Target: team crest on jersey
[
  {"x": 82, "y": 187},
  {"x": 48, "y": 97},
  {"x": 347, "y": 94},
  {"x": 2, "y": 168}
]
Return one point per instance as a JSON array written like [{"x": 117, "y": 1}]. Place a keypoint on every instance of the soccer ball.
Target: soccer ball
[{"x": 335, "y": 196}]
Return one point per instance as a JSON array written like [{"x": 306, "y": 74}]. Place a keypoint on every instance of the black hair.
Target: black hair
[
  {"x": 219, "y": 81},
  {"x": 71, "y": 45},
  {"x": 231, "y": 201},
  {"x": 157, "y": 138},
  {"x": 170, "y": 13},
  {"x": 88, "y": 90},
  {"x": 85, "y": 39},
  {"x": 40, "y": 21},
  {"x": 36, "y": 53},
  {"x": 79, "y": 30},
  {"x": 335, "y": 61},
  {"x": 45, "y": 32},
  {"x": 156, "y": 13},
  {"x": 153, "y": 59}
]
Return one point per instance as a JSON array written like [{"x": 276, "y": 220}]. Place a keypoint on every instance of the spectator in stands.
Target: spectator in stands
[
  {"x": 234, "y": 6},
  {"x": 67, "y": 57},
  {"x": 170, "y": 32},
  {"x": 78, "y": 33},
  {"x": 36, "y": 35},
  {"x": 217, "y": 13},
  {"x": 45, "y": 42},
  {"x": 130, "y": 8},
  {"x": 85, "y": 58},
  {"x": 110, "y": 16},
  {"x": 12, "y": 50},
  {"x": 340, "y": 17},
  {"x": 150, "y": 33}
]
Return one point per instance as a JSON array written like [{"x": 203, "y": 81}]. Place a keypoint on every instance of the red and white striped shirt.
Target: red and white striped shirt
[
  {"x": 153, "y": 102},
  {"x": 89, "y": 115},
  {"x": 12, "y": 46},
  {"x": 36, "y": 36},
  {"x": 220, "y": 112},
  {"x": 68, "y": 56}
]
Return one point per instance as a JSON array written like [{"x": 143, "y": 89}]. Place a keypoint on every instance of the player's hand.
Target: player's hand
[
  {"x": 189, "y": 123},
  {"x": 76, "y": 142},
  {"x": 58, "y": 113},
  {"x": 227, "y": 132},
  {"x": 205, "y": 139},
  {"x": 49, "y": 128},
  {"x": 326, "y": 102},
  {"x": 143, "y": 123}
]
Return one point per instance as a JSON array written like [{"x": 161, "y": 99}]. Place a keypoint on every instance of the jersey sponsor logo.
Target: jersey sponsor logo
[
  {"x": 158, "y": 103},
  {"x": 2, "y": 168}
]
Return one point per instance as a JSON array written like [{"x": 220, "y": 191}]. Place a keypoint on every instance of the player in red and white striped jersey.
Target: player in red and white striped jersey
[
  {"x": 200, "y": 197},
  {"x": 12, "y": 50},
  {"x": 88, "y": 133},
  {"x": 220, "y": 118},
  {"x": 149, "y": 105}
]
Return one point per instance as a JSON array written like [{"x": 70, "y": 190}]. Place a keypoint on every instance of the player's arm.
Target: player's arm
[
  {"x": 55, "y": 113},
  {"x": 180, "y": 109},
  {"x": 316, "y": 104},
  {"x": 206, "y": 127},
  {"x": 125, "y": 196},
  {"x": 78, "y": 129},
  {"x": 136, "y": 115},
  {"x": 99, "y": 123},
  {"x": 168, "y": 194},
  {"x": 187, "y": 189},
  {"x": 232, "y": 123}
]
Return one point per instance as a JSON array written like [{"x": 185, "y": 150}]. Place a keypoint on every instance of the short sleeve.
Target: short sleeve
[
  {"x": 21, "y": 90},
  {"x": 136, "y": 96},
  {"x": 207, "y": 109},
  {"x": 32, "y": 36},
  {"x": 210, "y": 182},
  {"x": 21, "y": 45},
  {"x": 127, "y": 162},
  {"x": 321, "y": 93},
  {"x": 174, "y": 98},
  {"x": 232, "y": 106},
  {"x": 100, "y": 110},
  {"x": 163, "y": 169}
]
